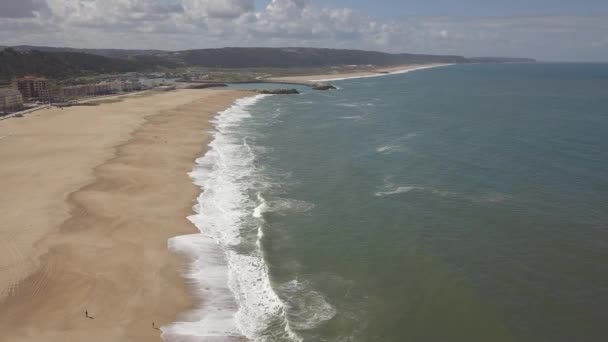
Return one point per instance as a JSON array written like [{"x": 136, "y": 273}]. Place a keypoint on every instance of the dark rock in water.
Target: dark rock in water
[
  {"x": 323, "y": 86},
  {"x": 206, "y": 85},
  {"x": 278, "y": 91}
]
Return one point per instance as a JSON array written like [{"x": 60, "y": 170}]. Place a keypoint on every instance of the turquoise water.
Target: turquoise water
[{"x": 462, "y": 203}]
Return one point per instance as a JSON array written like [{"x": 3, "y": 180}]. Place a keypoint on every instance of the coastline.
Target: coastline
[
  {"x": 86, "y": 215},
  {"x": 214, "y": 272},
  {"x": 111, "y": 169},
  {"x": 379, "y": 72}
]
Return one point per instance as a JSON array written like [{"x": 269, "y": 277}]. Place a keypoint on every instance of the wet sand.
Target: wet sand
[{"x": 89, "y": 197}]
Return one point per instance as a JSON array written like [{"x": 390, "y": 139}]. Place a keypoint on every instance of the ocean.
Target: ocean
[{"x": 460, "y": 203}]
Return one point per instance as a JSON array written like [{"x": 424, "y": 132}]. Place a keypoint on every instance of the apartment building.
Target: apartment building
[
  {"x": 10, "y": 100},
  {"x": 34, "y": 88}
]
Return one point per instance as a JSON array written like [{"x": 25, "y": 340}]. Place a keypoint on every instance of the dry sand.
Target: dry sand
[
  {"x": 367, "y": 72},
  {"x": 88, "y": 198}
]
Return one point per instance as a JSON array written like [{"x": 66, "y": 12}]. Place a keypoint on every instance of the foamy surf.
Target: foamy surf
[
  {"x": 233, "y": 285},
  {"x": 396, "y": 191},
  {"x": 388, "y": 149}
]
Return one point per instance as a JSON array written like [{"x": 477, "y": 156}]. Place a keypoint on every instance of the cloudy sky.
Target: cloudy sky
[{"x": 556, "y": 30}]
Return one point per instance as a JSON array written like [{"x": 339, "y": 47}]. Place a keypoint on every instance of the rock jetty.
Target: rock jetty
[
  {"x": 278, "y": 91},
  {"x": 323, "y": 86},
  {"x": 206, "y": 85}
]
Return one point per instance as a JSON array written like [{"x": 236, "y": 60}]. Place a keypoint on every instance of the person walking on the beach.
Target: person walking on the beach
[{"x": 86, "y": 313}]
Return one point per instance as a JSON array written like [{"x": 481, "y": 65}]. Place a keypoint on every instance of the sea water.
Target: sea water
[{"x": 461, "y": 203}]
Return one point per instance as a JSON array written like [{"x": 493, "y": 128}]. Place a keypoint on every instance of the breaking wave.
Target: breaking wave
[{"x": 226, "y": 270}]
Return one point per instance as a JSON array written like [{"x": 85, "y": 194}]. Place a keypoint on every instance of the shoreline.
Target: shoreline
[
  {"x": 112, "y": 169},
  {"x": 114, "y": 209},
  {"x": 398, "y": 71},
  {"x": 379, "y": 72},
  {"x": 211, "y": 273}
]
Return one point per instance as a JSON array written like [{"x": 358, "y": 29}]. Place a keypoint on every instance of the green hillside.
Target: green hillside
[{"x": 68, "y": 64}]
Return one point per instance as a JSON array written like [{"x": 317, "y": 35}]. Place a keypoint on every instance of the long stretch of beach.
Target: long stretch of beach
[
  {"x": 364, "y": 73},
  {"x": 89, "y": 197}
]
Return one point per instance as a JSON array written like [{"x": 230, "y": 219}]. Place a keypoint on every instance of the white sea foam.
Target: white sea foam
[
  {"x": 355, "y": 117},
  {"x": 281, "y": 206},
  {"x": 355, "y": 105},
  {"x": 387, "y": 149},
  {"x": 380, "y": 74},
  {"x": 348, "y": 105},
  {"x": 307, "y": 308},
  {"x": 397, "y": 145},
  {"x": 235, "y": 288},
  {"x": 261, "y": 208},
  {"x": 397, "y": 190},
  {"x": 207, "y": 273}
]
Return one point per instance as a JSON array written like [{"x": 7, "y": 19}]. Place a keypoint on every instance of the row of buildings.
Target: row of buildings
[
  {"x": 102, "y": 88},
  {"x": 38, "y": 89}
]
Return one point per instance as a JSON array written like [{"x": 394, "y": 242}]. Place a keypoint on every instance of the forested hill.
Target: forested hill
[
  {"x": 112, "y": 53},
  {"x": 300, "y": 57},
  {"x": 68, "y": 62}
]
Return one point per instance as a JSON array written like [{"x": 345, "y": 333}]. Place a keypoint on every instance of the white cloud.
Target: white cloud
[
  {"x": 184, "y": 24},
  {"x": 224, "y": 9}
]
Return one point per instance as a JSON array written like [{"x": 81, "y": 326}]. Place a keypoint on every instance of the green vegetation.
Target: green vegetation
[
  {"x": 62, "y": 65},
  {"x": 300, "y": 57}
]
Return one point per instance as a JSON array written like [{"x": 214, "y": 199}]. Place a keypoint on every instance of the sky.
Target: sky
[{"x": 549, "y": 30}]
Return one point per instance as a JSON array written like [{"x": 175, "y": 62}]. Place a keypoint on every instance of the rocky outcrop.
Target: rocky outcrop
[
  {"x": 323, "y": 86},
  {"x": 206, "y": 85},
  {"x": 278, "y": 91}
]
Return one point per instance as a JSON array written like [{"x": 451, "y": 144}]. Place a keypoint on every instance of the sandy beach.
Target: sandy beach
[
  {"x": 363, "y": 73},
  {"x": 90, "y": 196}
]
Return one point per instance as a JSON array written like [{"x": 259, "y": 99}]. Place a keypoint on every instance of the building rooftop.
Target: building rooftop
[
  {"x": 5, "y": 90},
  {"x": 31, "y": 78}
]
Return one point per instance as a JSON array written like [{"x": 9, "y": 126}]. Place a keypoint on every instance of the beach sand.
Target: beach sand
[
  {"x": 363, "y": 73},
  {"x": 89, "y": 197}
]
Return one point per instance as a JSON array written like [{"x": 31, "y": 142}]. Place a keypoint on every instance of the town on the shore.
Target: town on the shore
[{"x": 31, "y": 92}]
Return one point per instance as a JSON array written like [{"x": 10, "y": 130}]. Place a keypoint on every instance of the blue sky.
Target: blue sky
[{"x": 542, "y": 29}]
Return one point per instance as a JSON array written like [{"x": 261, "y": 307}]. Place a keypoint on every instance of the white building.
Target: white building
[{"x": 11, "y": 100}]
